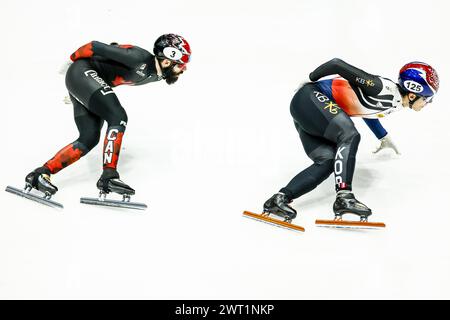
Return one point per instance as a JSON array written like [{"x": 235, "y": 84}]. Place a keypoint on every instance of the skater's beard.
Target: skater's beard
[{"x": 170, "y": 76}]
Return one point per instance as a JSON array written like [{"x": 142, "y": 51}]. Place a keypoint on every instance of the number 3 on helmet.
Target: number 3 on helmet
[{"x": 173, "y": 47}]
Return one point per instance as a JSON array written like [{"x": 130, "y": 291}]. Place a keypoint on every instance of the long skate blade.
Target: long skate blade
[
  {"x": 278, "y": 223},
  {"x": 114, "y": 203},
  {"x": 30, "y": 196},
  {"x": 350, "y": 224}
]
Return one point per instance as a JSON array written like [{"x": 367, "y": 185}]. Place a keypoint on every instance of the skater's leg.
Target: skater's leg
[
  {"x": 347, "y": 138},
  {"x": 311, "y": 122},
  {"x": 81, "y": 87},
  {"x": 322, "y": 153},
  {"x": 85, "y": 84},
  {"x": 320, "y": 116},
  {"x": 89, "y": 126},
  {"x": 109, "y": 108},
  {"x": 342, "y": 131}
]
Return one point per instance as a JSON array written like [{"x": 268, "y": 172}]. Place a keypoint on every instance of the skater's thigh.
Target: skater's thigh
[
  {"x": 88, "y": 123},
  {"x": 87, "y": 87},
  {"x": 317, "y": 148},
  {"x": 108, "y": 107},
  {"x": 313, "y": 111},
  {"x": 340, "y": 129}
]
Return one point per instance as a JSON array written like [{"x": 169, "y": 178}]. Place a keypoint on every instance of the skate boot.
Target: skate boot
[
  {"x": 110, "y": 182},
  {"x": 346, "y": 203},
  {"x": 39, "y": 179},
  {"x": 278, "y": 205}
]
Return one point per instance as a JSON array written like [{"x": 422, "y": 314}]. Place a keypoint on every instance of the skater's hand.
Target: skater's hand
[
  {"x": 65, "y": 67},
  {"x": 387, "y": 143},
  {"x": 67, "y": 100}
]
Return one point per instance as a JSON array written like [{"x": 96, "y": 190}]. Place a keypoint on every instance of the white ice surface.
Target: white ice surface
[{"x": 219, "y": 142}]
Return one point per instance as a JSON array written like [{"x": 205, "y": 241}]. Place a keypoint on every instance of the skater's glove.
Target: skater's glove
[
  {"x": 387, "y": 143},
  {"x": 67, "y": 100},
  {"x": 65, "y": 67}
]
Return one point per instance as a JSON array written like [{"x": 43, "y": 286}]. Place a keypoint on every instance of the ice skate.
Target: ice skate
[
  {"x": 277, "y": 205},
  {"x": 108, "y": 183},
  {"x": 346, "y": 203},
  {"x": 39, "y": 180},
  {"x": 114, "y": 185}
]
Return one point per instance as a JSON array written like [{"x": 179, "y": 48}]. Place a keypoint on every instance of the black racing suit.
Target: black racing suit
[
  {"x": 96, "y": 69},
  {"x": 321, "y": 112}
]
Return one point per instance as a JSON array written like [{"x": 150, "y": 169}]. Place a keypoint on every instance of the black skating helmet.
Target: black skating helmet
[{"x": 173, "y": 47}]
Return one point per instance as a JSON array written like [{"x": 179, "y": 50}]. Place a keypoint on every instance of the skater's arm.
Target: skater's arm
[
  {"x": 128, "y": 55},
  {"x": 376, "y": 127},
  {"x": 82, "y": 52},
  {"x": 369, "y": 84}
]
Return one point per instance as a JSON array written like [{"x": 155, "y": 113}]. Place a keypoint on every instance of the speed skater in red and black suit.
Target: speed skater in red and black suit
[{"x": 95, "y": 70}]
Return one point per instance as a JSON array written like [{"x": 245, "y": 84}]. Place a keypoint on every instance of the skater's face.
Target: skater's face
[
  {"x": 419, "y": 103},
  {"x": 177, "y": 68},
  {"x": 172, "y": 71}
]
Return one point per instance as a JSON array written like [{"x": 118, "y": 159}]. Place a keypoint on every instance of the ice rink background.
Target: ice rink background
[{"x": 218, "y": 142}]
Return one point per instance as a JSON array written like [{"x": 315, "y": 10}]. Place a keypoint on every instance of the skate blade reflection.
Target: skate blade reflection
[
  {"x": 114, "y": 203},
  {"x": 346, "y": 224}
]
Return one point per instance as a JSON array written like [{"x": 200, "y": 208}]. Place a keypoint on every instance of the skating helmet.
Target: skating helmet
[
  {"x": 173, "y": 47},
  {"x": 419, "y": 78}
]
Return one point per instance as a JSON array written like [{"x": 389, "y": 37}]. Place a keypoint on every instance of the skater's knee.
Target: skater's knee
[
  {"x": 323, "y": 154},
  {"x": 326, "y": 165},
  {"x": 342, "y": 130},
  {"x": 118, "y": 118},
  {"x": 350, "y": 135},
  {"x": 122, "y": 117},
  {"x": 89, "y": 141},
  {"x": 356, "y": 136},
  {"x": 325, "y": 160},
  {"x": 108, "y": 108}
]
